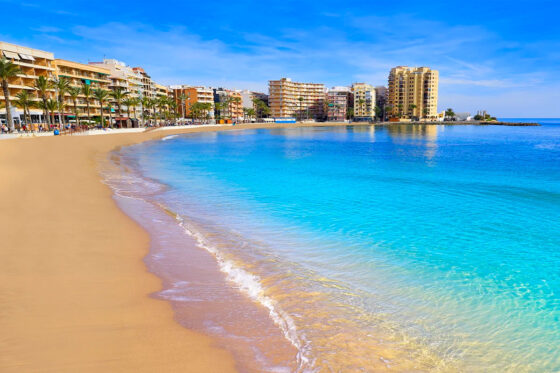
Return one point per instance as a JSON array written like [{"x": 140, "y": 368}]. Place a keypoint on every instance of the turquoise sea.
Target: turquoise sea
[{"x": 371, "y": 248}]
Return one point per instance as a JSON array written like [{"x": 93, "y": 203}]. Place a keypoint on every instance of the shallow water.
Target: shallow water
[{"x": 366, "y": 248}]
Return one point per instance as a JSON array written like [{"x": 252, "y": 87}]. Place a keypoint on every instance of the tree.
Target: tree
[
  {"x": 388, "y": 110},
  {"x": 300, "y": 99},
  {"x": 183, "y": 100},
  {"x": 25, "y": 101},
  {"x": 101, "y": 95},
  {"x": 425, "y": 111},
  {"x": 400, "y": 106},
  {"x": 411, "y": 108},
  {"x": 74, "y": 92},
  {"x": 146, "y": 106},
  {"x": 8, "y": 70},
  {"x": 51, "y": 106},
  {"x": 87, "y": 92},
  {"x": 129, "y": 102},
  {"x": 378, "y": 112},
  {"x": 44, "y": 85},
  {"x": 61, "y": 85},
  {"x": 118, "y": 95},
  {"x": 449, "y": 113}
]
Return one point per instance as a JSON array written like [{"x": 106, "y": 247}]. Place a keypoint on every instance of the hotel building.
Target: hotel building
[
  {"x": 300, "y": 100},
  {"x": 33, "y": 64},
  {"x": 192, "y": 95},
  {"x": 413, "y": 92},
  {"x": 234, "y": 108},
  {"x": 78, "y": 75},
  {"x": 338, "y": 99},
  {"x": 364, "y": 101}
]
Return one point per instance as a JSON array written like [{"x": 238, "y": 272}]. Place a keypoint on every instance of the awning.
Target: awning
[
  {"x": 11, "y": 55},
  {"x": 26, "y": 57}
]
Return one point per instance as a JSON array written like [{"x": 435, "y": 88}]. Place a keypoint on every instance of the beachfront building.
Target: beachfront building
[
  {"x": 162, "y": 91},
  {"x": 413, "y": 92},
  {"x": 364, "y": 102},
  {"x": 228, "y": 104},
  {"x": 148, "y": 85},
  {"x": 338, "y": 100},
  {"x": 33, "y": 64},
  {"x": 78, "y": 75},
  {"x": 289, "y": 99},
  {"x": 125, "y": 78},
  {"x": 186, "y": 96}
]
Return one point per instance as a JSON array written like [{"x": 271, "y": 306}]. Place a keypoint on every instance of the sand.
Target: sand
[{"x": 74, "y": 291}]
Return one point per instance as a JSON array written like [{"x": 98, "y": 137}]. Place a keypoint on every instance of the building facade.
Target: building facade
[
  {"x": 413, "y": 92},
  {"x": 78, "y": 75},
  {"x": 186, "y": 96},
  {"x": 292, "y": 99},
  {"x": 33, "y": 64},
  {"x": 338, "y": 99},
  {"x": 364, "y": 101}
]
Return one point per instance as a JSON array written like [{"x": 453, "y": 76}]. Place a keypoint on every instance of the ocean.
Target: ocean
[{"x": 358, "y": 248}]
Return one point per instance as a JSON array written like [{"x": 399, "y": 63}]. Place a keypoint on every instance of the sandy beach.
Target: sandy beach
[{"x": 74, "y": 291}]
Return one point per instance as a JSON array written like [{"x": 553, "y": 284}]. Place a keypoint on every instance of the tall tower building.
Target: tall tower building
[
  {"x": 413, "y": 92},
  {"x": 299, "y": 100}
]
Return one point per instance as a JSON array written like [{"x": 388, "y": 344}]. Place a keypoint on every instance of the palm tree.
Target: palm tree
[
  {"x": 25, "y": 101},
  {"x": 300, "y": 99},
  {"x": 110, "y": 110},
  {"x": 119, "y": 94},
  {"x": 87, "y": 92},
  {"x": 400, "y": 106},
  {"x": 134, "y": 102},
  {"x": 51, "y": 106},
  {"x": 128, "y": 102},
  {"x": 183, "y": 100},
  {"x": 8, "y": 70},
  {"x": 411, "y": 108},
  {"x": 44, "y": 85},
  {"x": 425, "y": 111},
  {"x": 101, "y": 95},
  {"x": 146, "y": 106},
  {"x": 449, "y": 113},
  {"x": 153, "y": 105},
  {"x": 61, "y": 85},
  {"x": 74, "y": 92},
  {"x": 173, "y": 106},
  {"x": 388, "y": 110}
]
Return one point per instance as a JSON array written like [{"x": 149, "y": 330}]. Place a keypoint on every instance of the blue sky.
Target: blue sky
[{"x": 502, "y": 56}]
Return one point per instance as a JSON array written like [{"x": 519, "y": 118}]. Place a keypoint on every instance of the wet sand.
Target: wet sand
[{"x": 74, "y": 291}]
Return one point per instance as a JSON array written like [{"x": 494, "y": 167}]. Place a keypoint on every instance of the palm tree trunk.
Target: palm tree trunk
[
  {"x": 76, "y": 114},
  {"x": 101, "y": 108},
  {"x": 88, "y": 117},
  {"x": 46, "y": 112},
  {"x": 9, "y": 118},
  {"x": 119, "y": 113}
]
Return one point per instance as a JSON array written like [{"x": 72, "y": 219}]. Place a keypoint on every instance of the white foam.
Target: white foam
[
  {"x": 250, "y": 285},
  {"x": 169, "y": 137}
]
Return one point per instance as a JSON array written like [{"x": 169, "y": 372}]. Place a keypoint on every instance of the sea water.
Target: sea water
[{"x": 371, "y": 248}]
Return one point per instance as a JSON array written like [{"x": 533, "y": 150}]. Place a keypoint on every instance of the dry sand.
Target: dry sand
[{"x": 74, "y": 292}]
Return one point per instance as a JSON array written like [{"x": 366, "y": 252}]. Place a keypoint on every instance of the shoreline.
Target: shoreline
[{"x": 76, "y": 293}]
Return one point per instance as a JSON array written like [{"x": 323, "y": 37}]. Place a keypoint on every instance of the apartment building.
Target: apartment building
[
  {"x": 33, "y": 64},
  {"x": 185, "y": 96},
  {"x": 229, "y": 103},
  {"x": 162, "y": 91},
  {"x": 413, "y": 92},
  {"x": 78, "y": 75},
  {"x": 364, "y": 101},
  {"x": 148, "y": 85},
  {"x": 338, "y": 99},
  {"x": 125, "y": 78},
  {"x": 289, "y": 99}
]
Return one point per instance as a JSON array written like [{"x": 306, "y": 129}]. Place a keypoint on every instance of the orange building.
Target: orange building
[{"x": 185, "y": 96}]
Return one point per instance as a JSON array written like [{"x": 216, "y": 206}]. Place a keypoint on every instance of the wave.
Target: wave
[{"x": 250, "y": 285}]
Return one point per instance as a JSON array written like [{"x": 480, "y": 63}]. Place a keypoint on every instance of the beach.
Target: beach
[{"x": 74, "y": 291}]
